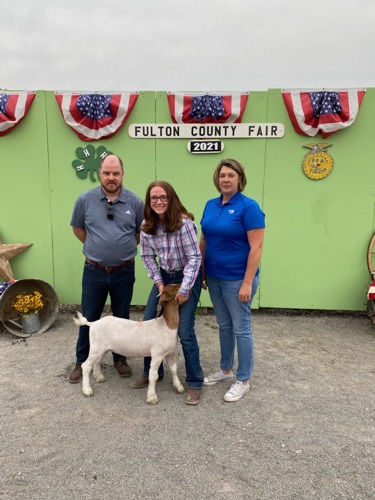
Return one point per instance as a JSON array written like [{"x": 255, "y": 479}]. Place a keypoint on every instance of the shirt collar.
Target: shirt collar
[
  {"x": 121, "y": 197},
  {"x": 231, "y": 200}
]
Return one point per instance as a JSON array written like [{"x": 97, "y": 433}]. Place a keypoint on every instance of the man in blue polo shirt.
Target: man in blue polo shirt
[{"x": 107, "y": 221}]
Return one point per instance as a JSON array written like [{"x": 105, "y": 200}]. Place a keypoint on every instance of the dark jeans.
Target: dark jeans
[
  {"x": 186, "y": 331},
  {"x": 96, "y": 285}
]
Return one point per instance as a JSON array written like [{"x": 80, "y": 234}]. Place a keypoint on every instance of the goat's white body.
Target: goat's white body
[{"x": 130, "y": 338}]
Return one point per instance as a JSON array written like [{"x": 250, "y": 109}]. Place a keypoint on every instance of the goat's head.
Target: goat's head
[{"x": 167, "y": 295}]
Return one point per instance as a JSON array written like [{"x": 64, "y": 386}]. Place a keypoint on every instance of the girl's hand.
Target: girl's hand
[{"x": 181, "y": 299}]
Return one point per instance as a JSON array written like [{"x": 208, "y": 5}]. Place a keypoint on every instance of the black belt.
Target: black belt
[
  {"x": 174, "y": 271},
  {"x": 109, "y": 269}
]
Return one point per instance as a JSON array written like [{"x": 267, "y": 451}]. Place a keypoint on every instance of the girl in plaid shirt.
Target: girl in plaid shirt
[{"x": 170, "y": 253}]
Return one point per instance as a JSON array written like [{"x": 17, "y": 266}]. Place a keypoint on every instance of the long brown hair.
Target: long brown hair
[{"x": 174, "y": 215}]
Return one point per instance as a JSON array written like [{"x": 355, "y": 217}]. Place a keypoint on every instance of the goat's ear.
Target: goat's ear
[{"x": 159, "y": 310}]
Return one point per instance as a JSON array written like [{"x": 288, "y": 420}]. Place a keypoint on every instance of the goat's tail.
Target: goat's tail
[{"x": 80, "y": 320}]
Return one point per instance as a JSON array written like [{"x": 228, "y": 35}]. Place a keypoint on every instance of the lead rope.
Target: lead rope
[{"x": 199, "y": 302}]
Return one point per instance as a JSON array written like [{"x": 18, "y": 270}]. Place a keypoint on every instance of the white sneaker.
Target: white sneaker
[
  {"x": 237, "y": 391},
  {"x": 216, "y": 377}
]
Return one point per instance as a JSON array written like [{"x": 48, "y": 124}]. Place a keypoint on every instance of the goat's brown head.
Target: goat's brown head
[{"x": 167, "y": 295}]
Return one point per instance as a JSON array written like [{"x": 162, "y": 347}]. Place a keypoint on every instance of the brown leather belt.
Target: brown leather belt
[{"x": 109, "y": 269}]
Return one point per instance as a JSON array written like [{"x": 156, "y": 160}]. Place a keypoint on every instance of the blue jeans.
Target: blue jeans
[
  {"x": 234, "y": 320},
  {"x": 186, "y": 331},
  {"x": 96, "y": 285}
]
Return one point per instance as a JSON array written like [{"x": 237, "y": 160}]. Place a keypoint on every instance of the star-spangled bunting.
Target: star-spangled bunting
[
  {"x": 322, "y": 111},
  {"x": 13, "y": 109},
  {"x": 7, "y": 252},
  {"x": 96, "y": 116},
  {"x": 207, "y": 108}
]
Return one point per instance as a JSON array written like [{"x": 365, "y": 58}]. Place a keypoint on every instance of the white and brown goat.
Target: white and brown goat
[{"x": 156, "y": 338}]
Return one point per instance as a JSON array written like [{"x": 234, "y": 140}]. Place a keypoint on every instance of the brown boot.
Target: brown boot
[
  {"x": 193, "y": 396},
  {"x": 140, "y": 382},
  {"x": 123, "y": 368},
  {"x": 76, "y": 375}
]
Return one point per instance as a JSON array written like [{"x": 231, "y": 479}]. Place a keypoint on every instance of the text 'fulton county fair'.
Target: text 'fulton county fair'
[{"x": 183, "y": 131}]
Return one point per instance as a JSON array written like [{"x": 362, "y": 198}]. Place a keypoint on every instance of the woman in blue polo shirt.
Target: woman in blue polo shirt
[{"x": 231, "y": 246}]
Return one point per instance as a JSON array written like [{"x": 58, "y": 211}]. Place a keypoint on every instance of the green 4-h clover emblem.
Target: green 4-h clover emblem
[{"x": 89, "y": 161}]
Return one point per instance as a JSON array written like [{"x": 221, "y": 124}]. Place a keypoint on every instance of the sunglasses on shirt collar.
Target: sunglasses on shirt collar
[{"x": 110, "y": 210}]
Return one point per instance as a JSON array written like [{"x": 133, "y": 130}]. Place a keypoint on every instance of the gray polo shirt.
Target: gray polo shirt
[{"x": 109, "y": 242}]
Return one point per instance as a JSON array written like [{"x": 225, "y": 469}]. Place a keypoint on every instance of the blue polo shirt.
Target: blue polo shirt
[{"x": 225, "y": 230}]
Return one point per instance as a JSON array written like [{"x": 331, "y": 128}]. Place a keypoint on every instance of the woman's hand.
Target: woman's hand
[
  {"x": 244, "y": 294},
  {"x": 204, "y": 282}
]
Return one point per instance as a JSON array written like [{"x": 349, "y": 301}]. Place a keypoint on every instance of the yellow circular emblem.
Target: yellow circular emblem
[{"x": 317, "y": 164}]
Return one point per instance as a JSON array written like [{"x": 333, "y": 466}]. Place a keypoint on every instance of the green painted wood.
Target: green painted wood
[
  {"x": 317, "y": 231},
  {"x": 25, "y": 194},
  {"x": 139, "y": 167}
]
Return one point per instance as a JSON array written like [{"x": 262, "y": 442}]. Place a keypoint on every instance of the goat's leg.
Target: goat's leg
[
  {"x": 173, "y": 367},
  {"x": 152, "y": 398},
  {"x": 92, "y": 361},
  {"x": 97, "y": 372},
  {"x": 86, "y": 370}
]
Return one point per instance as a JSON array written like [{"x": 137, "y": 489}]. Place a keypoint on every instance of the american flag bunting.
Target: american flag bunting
[
  {"x": 207, "y": 108},
  {"x": 13, "y": 109},
  {"x": 96, "y": 116},
  {"x": 322, "y": 111}
]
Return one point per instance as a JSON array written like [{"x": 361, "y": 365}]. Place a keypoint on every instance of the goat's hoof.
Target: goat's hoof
[
  {"x": 152, "y": 400},
  {"x": 180, "y": 389},
  {"x": 87, "y": 392},
  {"x": 100, "y": 378}
]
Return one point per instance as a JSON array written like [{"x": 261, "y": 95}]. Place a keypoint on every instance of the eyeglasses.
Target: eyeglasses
[
  {"x": 162, "y": 198},
  {"x": 110, "y": 211}
]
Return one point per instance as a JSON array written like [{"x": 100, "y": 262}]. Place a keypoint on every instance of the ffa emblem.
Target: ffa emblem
[
  {"x": 317, "y": 164},
  {"x": 89, "y": 161}
]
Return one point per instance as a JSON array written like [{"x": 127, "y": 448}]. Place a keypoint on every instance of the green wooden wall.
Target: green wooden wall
[{"x": 317, "y": 231}]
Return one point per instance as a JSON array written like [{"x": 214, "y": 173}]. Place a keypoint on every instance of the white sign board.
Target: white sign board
[{"x": 206, "y": 131}]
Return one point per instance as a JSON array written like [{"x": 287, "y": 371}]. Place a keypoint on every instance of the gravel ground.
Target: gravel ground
[{"x": 304, "y": 431}]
